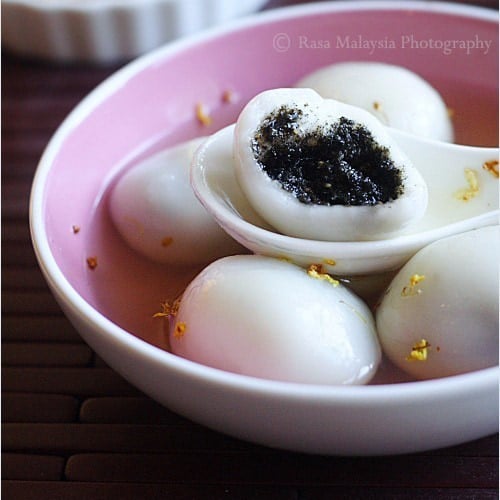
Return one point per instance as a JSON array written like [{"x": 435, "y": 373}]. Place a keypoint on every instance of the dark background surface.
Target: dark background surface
[{"x": 74, "y": 429}]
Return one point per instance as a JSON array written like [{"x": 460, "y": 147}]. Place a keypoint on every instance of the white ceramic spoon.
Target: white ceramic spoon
[{"x": 452, "y": 172}]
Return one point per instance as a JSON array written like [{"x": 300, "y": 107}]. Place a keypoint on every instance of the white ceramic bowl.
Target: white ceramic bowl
[
  {"x": 112, "y": 305},
  {"x": 108, "y": 30}
]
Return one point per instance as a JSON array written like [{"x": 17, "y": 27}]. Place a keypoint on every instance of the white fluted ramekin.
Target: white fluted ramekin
[{"x": 108, "y": 30}]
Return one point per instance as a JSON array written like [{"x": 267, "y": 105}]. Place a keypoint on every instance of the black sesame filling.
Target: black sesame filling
[{"x": 336, "y": 164}]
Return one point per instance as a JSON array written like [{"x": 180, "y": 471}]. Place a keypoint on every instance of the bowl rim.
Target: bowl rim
[{"x": 73, "y": 302}]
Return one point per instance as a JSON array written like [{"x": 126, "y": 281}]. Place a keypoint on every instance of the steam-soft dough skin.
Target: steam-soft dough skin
[
  {"x": 440, "y": 314},
  {"x": 270, "y": 319},
  {"x": 397, "y": 96},
  {"x": 156, "y": 212},
  {"x": 319, "y": 169}
]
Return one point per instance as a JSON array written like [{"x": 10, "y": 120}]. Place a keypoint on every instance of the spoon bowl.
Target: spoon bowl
[{"x": 463, "y": 195}]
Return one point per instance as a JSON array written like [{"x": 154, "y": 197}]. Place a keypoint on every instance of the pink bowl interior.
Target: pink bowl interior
[{"x": 155, "y": 108}]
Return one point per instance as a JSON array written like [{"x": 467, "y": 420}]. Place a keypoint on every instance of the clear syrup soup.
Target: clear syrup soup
[{"x": 474, "y": 113}]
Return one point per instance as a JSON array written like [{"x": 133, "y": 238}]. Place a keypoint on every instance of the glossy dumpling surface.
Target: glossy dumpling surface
[
  {"x": 270, "y": 319},
  {"x": 155, "y": 210},
  {"x": 439, "y": 316},
  {"x": 397, "y": 96}
]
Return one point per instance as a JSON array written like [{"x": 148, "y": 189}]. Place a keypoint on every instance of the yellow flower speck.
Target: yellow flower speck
[
  {"x": 92, "y": 262},
  {"x": 168, "y": 309},
  {"x": 316, "y": 271},
  {"x": 419, "y": 351},
  {"x": 410, "y": 290},
  {"x": 377, "y": 106},
  {"x": 472, "y": 190},
  {"x": 179, "y": 329},
  {"x": 491, "y": 167},
  {"x": 228, "y": 96},
  {"x": 167, "y": 241},
  {"x": 203, "y": 117}
]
